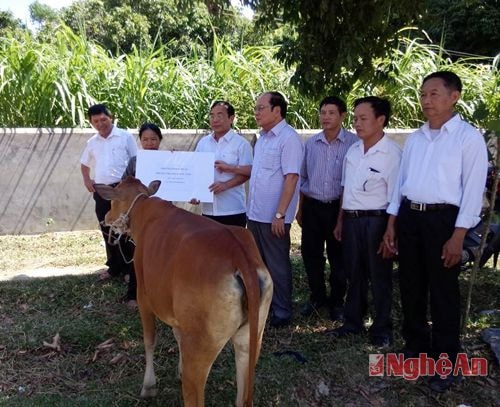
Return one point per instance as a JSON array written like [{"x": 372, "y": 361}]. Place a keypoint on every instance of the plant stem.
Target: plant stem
[{"x": 482, "y": 246}]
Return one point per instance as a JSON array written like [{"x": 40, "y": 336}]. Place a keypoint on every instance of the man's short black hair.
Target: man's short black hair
[
  {"x": 277, "y": 99},
  {"x": 381, "y": 107},
  {"x": 451, "y": 80},
  {"x": 97, "y": 109},
  {"x": 334, "y": 100},
  {"x": 229, "y": 107}
]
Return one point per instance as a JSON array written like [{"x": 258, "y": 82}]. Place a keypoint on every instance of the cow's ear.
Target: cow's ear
[
  {"x": 153, "y": 187},
  {"x": 105, "y": 191}
]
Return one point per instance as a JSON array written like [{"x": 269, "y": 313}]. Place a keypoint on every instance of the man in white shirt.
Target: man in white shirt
[
  {"x": 370, "y": 171},
  {"x": 437, "y": 198},
  {"x": 233, "y": 163},
  {"x": 108, "y": 152}
]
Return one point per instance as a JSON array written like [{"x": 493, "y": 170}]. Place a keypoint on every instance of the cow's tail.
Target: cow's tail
[{"x": 251, "y": 282}]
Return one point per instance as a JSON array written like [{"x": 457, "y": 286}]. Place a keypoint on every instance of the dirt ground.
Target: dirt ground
[{"x": 37, "y": 271}]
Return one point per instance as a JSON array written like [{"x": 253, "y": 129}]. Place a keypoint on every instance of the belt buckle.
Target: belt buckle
[{"x": 417, "y": 206}]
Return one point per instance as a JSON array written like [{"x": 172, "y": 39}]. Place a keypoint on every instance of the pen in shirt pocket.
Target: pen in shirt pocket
[{"x": 374, "y": 170}]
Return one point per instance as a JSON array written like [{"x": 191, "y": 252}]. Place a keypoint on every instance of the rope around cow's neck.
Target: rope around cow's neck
[{"x": 121, "y": 225}]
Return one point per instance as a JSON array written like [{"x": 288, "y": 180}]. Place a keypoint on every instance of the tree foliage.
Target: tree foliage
[
  {"x": 41, "y": 13},
  {"x": 324, "y": 47},
  {"x": 399, "y": 75},
  {"x": 471, "y": 26},
  {"x": 119, "y": 25},
  {"x": 333, "y": 42},
  {"x": 9, "y": 24}
]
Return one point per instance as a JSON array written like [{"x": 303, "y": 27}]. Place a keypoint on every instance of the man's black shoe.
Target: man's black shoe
[
  {"x": 341, "y": 332},
  {"x": 382, "y": 341},
  {"x": 277, "y": 322},
  {"x": 309, "y": 308},
  {"x": 337, "y": 314},
  {"x": 440, "y": 385}
]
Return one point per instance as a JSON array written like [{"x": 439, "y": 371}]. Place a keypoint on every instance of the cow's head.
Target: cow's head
[{"x": 123, "y": 197}]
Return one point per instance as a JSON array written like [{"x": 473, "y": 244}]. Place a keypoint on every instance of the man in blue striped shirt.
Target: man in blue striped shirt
[
  {"x": 320, "y": 193},
  {"x": 272, "y": 197}
]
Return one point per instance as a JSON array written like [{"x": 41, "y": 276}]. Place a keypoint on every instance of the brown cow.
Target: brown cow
[{"x": 206, "y": 280}]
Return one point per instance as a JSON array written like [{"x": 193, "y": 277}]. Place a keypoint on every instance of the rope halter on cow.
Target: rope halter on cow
[{"x": 121, "y": 225}]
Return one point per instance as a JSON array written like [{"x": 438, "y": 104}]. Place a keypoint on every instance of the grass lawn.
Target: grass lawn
[{"x": 299, "y": 366}]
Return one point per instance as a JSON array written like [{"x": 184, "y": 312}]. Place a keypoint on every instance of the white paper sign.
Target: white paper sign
[{"x": 184, "y": 175}]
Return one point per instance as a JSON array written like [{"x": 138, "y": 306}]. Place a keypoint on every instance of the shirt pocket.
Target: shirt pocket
[
  {"x": 271, "y": 159},
  {"x": 373, "y": 181},
  {"x": 230, "y": 157}
]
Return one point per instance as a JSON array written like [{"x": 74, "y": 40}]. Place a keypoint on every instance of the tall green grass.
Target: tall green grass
[
  {"x": 399, "y": 76},
  {"x": 51, "y": 84}
]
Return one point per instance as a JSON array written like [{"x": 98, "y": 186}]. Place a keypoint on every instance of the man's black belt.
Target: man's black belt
[
  {"x": 364, "y": 212},
  {"x": 424, "y": 207},
  {"x": 317, "y": 201}
]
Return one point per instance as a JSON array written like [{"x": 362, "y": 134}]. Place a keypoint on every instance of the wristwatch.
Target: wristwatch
[{"x": 279, "y": 215}]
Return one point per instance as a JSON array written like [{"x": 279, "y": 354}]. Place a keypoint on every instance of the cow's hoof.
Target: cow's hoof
[{"x": 148, "y": 392}]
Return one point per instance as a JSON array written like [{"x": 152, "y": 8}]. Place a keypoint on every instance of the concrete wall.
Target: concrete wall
[{"x": 41, "y": 184}]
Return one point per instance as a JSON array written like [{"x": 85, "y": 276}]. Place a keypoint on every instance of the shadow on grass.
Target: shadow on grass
[{"x": 86, "y": 314}]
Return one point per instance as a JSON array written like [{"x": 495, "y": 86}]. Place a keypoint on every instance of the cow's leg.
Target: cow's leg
[
  {"x": 149, "y": 336},
  {"x": 177, "y": 336},
  {"x": 198, "y": 355},
  {"x": 241, "y": 340},
  {"x": 241, "y": 353},
  {"x": 241, "y": 349}
]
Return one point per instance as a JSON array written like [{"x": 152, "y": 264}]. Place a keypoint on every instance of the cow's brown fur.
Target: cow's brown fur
[{"x": 188, "y": 271}]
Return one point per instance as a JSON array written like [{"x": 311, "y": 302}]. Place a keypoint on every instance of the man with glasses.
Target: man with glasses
[
  {"x": 233, "y": 163},
  {"x": 273, "y": 197}
]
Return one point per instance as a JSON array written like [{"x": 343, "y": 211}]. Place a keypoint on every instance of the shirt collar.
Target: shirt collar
[
  {"x": 449, "y": 127},
  {"x": 275, "y": 131},
  {"x": 113, "y": 133},
  {"x": 379, "y": 146},
  {"x": 341, "y": 136},
  {"x": 226, "y": 137}
]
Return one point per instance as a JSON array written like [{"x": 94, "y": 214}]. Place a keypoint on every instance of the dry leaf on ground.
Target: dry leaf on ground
[
  {"x": 108, "y": 343},
  {"x": 117, "y": 358},
  {"x": 56, "y": 343}
]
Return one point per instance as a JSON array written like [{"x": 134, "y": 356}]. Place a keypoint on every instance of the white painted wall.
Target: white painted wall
[{"x": 41, "y": 185}]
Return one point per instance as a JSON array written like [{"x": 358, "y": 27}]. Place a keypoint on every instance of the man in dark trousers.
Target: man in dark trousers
[
  {"x": 273, "y": 196},
  {"x": 437, "y": 198},
  {"x": 370, "y": 171},
  {"x": 319, "y": 204},
  {"x": 108, "y": 151}
]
